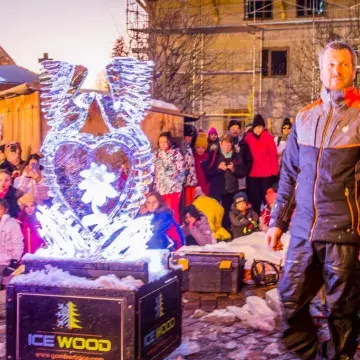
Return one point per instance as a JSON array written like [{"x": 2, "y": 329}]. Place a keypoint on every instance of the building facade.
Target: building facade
[{"x": 270, "y": 50}]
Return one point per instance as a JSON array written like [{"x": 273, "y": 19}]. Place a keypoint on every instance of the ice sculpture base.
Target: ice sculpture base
[{"x": 139, "y": 322}]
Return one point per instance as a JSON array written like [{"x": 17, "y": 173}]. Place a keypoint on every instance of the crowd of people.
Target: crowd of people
[
  {"x": 225, "y": 185},
  {"x": 206, "y": 190}
]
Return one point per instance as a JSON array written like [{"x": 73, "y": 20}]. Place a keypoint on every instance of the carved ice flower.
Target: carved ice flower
[{"x": 97, "y": 185}]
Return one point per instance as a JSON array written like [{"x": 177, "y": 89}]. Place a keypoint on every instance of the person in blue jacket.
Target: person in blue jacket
[{"x": 167, "y": 232}]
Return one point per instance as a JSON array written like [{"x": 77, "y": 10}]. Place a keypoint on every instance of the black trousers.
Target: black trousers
[
  {"x": 256, "y": 187},
  {"x": 308, "y": 266}
]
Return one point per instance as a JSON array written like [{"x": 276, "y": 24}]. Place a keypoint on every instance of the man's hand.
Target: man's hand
[{"x": 273, "y": 237}]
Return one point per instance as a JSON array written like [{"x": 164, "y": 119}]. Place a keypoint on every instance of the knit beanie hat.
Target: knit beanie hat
[
  {"x": 241, "y": 196},
  {"x": 234, "y": 122},
  {"x": 25, "y": 199},
  {"x": 189, "y": 130},
  {"x": 198, "y": 191},
  {"x": 212, "y": 130},
  {"x": 287, "y": 122},
  {"x": 270, "y": 196},
  {"x": 258, "y": 121},
  {"x": 201, "y": 141}
]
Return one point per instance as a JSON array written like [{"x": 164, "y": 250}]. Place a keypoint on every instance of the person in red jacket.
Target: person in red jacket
[{"x": 265, "y": 164}]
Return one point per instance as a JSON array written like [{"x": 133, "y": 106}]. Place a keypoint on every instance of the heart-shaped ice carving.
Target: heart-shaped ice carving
[{"x": 96, "y": 182}]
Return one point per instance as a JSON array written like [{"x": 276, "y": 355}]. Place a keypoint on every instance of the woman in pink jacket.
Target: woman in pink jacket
[{"x": 265, "y": 164}]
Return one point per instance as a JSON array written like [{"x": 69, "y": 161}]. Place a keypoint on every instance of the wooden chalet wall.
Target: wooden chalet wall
[
  {"x": 24, "y": 122},
  {"x": 21, "y": 120}
]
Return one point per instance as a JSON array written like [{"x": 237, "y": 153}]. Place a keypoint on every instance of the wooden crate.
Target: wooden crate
[{"x": 93, "y": 324}]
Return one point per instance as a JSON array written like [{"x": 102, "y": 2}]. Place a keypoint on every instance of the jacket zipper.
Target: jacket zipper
[
  {"x": 347, "y": 193},
  {"x": 316, "y": 215},
  {"x": 357, "y": 206}
]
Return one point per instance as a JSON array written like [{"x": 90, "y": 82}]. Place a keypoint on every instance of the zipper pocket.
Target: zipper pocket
[{"x": 347, "y": 193}]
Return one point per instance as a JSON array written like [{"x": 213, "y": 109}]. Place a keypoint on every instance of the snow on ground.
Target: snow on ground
[
  {"x": 52, "y": 276},
  {"x": 253, "y": 246},
  {"x": 257, "y": 313}
]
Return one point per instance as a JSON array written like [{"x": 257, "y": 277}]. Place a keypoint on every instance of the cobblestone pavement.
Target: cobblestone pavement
[
  {"x": 204, "y": 341},
  {"x": 231, "y": 340}
]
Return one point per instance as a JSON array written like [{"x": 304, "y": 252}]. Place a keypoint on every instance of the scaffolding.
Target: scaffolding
[{"x": 215, "y": 18}]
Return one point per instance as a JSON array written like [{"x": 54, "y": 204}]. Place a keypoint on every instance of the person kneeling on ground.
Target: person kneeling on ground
[
  {"x": 265, "y": 215},
  {"x": 214, "y": 213},
  {"x": 244, "y": 220},
  {"x": 166, "y": 232},
  {"x": 11, "y": 241},
  {"x": 196, "y": 227}
]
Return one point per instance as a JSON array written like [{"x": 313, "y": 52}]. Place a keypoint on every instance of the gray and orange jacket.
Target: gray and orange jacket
[{"x": 320, "y": 172}]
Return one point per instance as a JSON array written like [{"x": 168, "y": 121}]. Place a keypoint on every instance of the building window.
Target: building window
[
  {"x": 307, "y": 7},
  {"x": 258, "y": 9},
  {"x": 274, "y": 62}
]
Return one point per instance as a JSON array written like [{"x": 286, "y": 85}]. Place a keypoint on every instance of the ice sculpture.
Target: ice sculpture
[{"x": 97, "y": 183}]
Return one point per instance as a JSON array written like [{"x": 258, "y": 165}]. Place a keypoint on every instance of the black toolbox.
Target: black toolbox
[{"x": 211, "y": 271}]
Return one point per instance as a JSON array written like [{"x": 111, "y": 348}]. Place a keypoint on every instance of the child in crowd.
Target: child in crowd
[
  {"x": 11, "y": 240},
  {"x": 196, "y": 227},
  {"x": 244, "y": 220},
  {"x": 201, "y": 155},
  {"x": 9, "y": 193},
  {"x": 30, "y": 224},
  {"x": 213, "y": 139},
  {"x": 166, "y": 232},
  {"x": 169, "y": 173},
  {"x": 265, "y": 213}
]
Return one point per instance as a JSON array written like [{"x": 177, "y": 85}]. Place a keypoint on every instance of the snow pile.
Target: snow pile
[
  {"x": 185, "y": 349},
  {"x": 157, "y": 260},
  {"x": 253, "y": 246},
  {"x": 255, "y": 313},
  {"x": 220, "y": 316},
  {"x": 51, "y": 276}
]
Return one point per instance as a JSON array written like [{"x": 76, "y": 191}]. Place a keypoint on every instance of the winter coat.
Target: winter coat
[
  {"x": 169, "y": 171},
  {"x": 280, "y": 144},
  {"x": 166, "y": 231},
  {"x": 214, "y": 213},
  {"x": 212, "y": 145},
  {"x": 243, "y": 224},
  {"x": 190, "y": 171},
  {"x": 320, "y": 171},
  {"x": 265, "y": 218},
  {"x": 201, "y": 231},
  {"x": 12, "y": 197},
  {"x": 30, "y": 229},
  {"x": 264, "y": 155},
  {"x": 11, "y": 240},
  {"x": 224, "y": 182},
  {"x": 29, "y": 185},
  {"x": 202, "y": 181}
]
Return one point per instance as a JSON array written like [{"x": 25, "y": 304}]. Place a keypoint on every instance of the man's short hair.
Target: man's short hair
[{"x": 338, "y": 45}]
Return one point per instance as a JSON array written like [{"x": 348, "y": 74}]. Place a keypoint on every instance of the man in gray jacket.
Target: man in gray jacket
[{"x": 320, "y": 179}]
